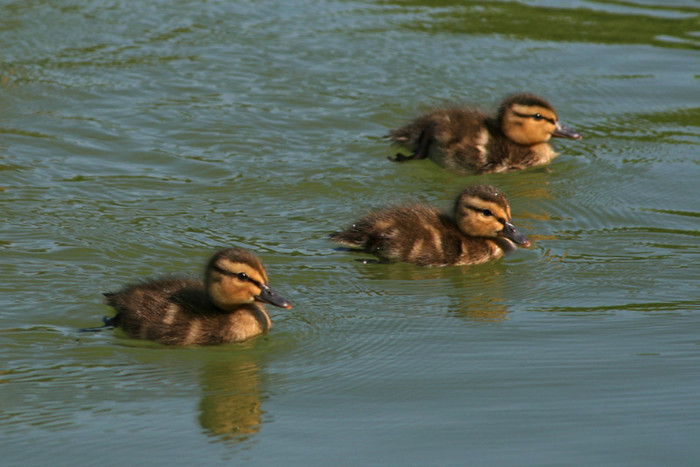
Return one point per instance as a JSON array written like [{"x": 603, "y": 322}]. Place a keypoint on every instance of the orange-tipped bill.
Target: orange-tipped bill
[
  {"x": 563, "y": 131},
  {"x": 267, "y": 295},
  {"x": 511, "y": 233}
]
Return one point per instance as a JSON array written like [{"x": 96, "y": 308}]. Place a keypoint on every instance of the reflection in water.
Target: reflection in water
[
  {"x": 473, "y": 292},
  {"x": 231, "y": 407},
  {"x": 479, "y": 296},
  {"x": 481, "y": 308}
]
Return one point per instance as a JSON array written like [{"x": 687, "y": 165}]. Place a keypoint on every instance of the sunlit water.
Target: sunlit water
[{"x": 137, "y": 137}]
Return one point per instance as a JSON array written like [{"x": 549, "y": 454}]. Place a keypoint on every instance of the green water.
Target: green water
[{"x": 137, "y": 137}]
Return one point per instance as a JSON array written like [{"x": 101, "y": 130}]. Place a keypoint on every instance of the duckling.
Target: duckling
[
  {"x": 469, "y": 141},
  {"x": 478, "y": 230},
  {"x": 227, "y": 307}
]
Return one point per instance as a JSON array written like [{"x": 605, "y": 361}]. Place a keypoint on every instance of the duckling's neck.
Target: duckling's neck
[
  {"x": 248, "y": 320},
  {"x": 542, "y": 153},
  {"x": 504, "y": 244},
  {"x": 233, "y": 307}
]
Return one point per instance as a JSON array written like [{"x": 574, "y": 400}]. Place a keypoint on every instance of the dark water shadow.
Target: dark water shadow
[{"x": 610, "y": 22}]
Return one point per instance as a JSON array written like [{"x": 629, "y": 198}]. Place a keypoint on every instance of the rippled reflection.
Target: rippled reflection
[{"x": 230, "y": 407}]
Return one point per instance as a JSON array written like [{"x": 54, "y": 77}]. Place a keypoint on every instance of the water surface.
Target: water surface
[{"x": 137, "y": 137}]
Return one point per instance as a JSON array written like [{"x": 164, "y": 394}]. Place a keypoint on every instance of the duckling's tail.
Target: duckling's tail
[
  {"x": 408, "y": 135},
  {"x": 350, "y": 237},
  {"x": 416, "y": 137},
  {"x": 109, "y": 323}
]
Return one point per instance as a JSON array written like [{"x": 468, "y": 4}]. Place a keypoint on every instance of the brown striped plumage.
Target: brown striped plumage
[
  {"x": 469, "y": 141},
  {"x": 227, "y": 307},
  {"x": 477, "y": 231}
]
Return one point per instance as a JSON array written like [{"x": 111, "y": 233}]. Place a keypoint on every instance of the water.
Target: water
[{"x": 137, "y": 137}]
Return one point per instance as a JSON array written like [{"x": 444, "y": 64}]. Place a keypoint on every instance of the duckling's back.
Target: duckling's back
[
  {"x": 445, "y": 125},
  {"x": 177, "y": 311},
  {"x": 454, "y": 138}
]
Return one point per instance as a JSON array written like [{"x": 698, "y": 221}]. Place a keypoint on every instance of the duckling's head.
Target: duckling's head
[
  {"x": 528, "y": 120},
  {"x": 483, "y": 211},
  {"x": 234, "y": 277}
]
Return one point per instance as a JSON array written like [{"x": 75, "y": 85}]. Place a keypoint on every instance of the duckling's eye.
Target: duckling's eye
[
  {"x": 537, "y": 117},
  {"x": 242, "y": 276},
  {"x": 486, "y": 212}
]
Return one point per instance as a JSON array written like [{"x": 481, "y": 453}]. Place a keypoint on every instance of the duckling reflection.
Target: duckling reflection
[
  {"x": 481, "y": 307},
  {"x": 477, "y": 296},
  {"x": 227, "y": 307},
  {"x": 469, "y": 141},
  {"x": 478, "y": 230},
  {"x": 231, "y": 405}
]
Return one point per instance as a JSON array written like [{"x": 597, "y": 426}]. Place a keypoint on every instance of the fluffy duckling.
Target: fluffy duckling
[
  {"x": 227, "y": 307},
  {"x": 469, "y": 141},
  {"x": 479, "y": 230}
]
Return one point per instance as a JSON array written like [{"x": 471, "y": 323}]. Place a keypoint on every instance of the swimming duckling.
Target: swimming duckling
[
  {"x": 469, "y": 141},
  {"x": 227, "y": 307},
  {"x": 479, "y": 230}
]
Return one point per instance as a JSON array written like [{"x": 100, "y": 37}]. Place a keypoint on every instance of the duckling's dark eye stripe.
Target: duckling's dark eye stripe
[
  {"x": 240, "y": 275},
  {"x": 536, "y": 117},
  {"x": 487, "y": 212}
]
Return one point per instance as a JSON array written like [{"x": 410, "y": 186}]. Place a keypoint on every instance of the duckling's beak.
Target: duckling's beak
[
  {"x": 511, "y": 233},
  {"x": 563, "y": 131},
  {"x": 267, "y": 295}
]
